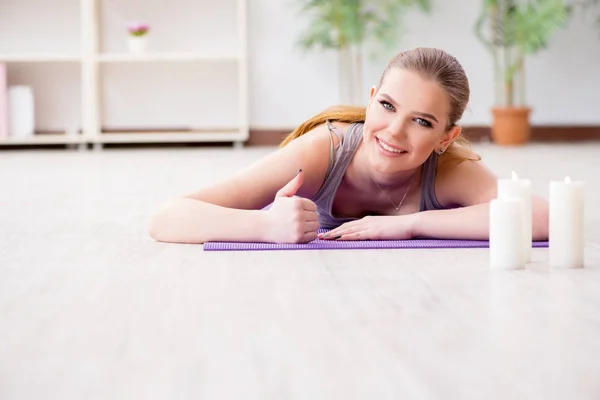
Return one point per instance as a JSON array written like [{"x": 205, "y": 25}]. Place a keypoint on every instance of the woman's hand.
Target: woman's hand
[
  {"x": 398, "y": 227},
  {"x": 292, "y": 219}
]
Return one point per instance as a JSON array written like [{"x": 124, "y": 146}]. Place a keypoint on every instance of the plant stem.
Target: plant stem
[
  {"x": 522, "y": 79},
  {"x": 344, "y": 75},
  {"x": 497, "y": 76},
  {"x": 358, "y": 75},
  {"x": 508, "y": 80}
]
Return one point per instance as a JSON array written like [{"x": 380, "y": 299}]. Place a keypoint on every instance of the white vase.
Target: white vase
[
  {"x": 137, "y": 44},
  {"x": 21, "y": 111}
]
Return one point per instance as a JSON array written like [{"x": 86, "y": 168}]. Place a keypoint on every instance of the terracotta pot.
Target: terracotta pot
[{"x": 511, "y": 125}]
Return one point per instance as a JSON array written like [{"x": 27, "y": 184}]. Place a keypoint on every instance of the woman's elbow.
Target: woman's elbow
[
  {"x": 158, "y": 228},
  {"x": 155, "y": 228}
]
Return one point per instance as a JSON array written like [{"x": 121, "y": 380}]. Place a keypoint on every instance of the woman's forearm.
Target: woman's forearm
[
  {"x": 472, "y": 223},
  {"x": 469, "y": 223},
  {"x": 187, "y": 220}
]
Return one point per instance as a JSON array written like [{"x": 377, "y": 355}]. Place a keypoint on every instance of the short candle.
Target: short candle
[{"x": 520, "y": 189}]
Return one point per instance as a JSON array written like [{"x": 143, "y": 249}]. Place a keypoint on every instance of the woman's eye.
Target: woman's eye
[
  {"x": 424, "y": 122},
  {"x": 386, "y": 105}
]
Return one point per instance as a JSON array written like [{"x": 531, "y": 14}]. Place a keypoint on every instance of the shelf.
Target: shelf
[
  {"x": 77, "y": 62},
  {"x": 231, "y": 135},
  {"x": 43, "y": 139},
  {"x": 227, "y": 135},
  {"x": 39, "y": 58},
  {"x": 166, "y": 57}
]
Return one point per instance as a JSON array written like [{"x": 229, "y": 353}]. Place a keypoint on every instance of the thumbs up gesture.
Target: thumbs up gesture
[{"x": 292, "y": 219}]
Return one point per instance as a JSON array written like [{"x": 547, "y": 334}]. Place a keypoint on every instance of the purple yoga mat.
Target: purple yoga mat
[{"x": 363, "y": 244}]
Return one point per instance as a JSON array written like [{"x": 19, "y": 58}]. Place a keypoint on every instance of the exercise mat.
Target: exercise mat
[{"x": 319, "y": 244}]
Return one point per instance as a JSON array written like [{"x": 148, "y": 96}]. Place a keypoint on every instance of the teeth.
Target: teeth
[{"x": 388, "y": 148}]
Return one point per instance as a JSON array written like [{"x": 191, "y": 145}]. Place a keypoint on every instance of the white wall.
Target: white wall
[
  {"x": 286, "y": 87},
  {"x": 562, "y": 82}
]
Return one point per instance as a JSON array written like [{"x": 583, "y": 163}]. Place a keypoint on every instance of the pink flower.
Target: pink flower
[{"x": 138, "y": 28}]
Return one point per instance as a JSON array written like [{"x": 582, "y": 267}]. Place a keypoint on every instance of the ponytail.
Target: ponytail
[{"x": 348, "y": 114}]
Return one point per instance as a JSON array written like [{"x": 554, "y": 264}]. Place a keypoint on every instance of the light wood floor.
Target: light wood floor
[{"x": 92, "y": 308}]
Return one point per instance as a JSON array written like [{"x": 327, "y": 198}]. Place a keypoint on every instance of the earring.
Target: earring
[{"x": 440, "y": 151}]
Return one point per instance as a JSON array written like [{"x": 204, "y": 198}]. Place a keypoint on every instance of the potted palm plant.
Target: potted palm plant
[
  {"x": 512, "y": 30},
  {"x": 345, "y": 26}
]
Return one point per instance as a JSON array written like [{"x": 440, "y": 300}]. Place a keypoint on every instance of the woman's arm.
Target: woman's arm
[
  {"x": 185, "y": 220},
  {"x": 230, "y": 209},
  {"x": 470, "y": 186},
  {"x": 472, "y": 222}
]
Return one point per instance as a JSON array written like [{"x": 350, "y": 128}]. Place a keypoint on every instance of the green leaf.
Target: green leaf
[
  {"x": 513, "y": 29},
  {"x": 340, "y": 23}
]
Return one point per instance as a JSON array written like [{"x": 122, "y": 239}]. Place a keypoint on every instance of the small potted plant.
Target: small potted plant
[{"x": 138, "y": 34}]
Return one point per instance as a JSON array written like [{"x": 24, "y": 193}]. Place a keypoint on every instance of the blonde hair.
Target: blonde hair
[{"x": 433, "y": 64}]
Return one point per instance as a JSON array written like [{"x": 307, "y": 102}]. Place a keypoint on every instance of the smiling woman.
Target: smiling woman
[{"x": 397, "y": 169}]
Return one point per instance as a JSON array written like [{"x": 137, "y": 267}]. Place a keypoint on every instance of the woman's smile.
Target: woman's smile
[{"x": 389, "y": 149}]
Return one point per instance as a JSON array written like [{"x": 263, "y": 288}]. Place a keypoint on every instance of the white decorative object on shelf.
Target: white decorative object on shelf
[
  {"x": 21, "y": 111},
  {"x": 138, "y": 37},
  {"x": 137, "y": 44}
]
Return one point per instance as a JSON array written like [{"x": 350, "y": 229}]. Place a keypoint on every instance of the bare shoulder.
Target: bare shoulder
[
  {"x": 464, "y": 183},
  {"x": 256, "y": 185}
]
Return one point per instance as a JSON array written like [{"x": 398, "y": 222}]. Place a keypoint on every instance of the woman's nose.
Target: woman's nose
[{"x": 398, "y": 128}]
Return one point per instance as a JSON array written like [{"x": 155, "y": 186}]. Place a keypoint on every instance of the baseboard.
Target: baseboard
[
  {"x": 542, "y": 133},
  {"x": 272, "y": 137},
  {"x": 266, "y": 137}
]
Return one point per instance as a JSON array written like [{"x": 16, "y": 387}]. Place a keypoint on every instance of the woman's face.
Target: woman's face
[{"x": 406, "y": 120}]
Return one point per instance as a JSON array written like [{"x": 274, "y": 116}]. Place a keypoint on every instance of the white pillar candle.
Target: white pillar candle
[
  {"x": 520, "y": 189},
  {"x": 506, "y": 234},
  {"x": 566, "y": 236}
]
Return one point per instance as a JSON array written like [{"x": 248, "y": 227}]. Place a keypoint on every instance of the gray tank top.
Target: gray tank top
[{"x": 339, "y": 159}]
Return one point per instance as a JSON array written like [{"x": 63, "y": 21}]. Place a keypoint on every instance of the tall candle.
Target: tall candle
[
  {"x": 520, "y": 189},
  {"x": 506, "y": 234},
  {"x": 566, "y": 236}
]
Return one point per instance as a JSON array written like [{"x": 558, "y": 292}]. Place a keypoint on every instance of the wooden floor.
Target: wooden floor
[{"x": 92, "y": 308}]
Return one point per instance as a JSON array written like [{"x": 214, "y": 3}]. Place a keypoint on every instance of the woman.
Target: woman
[{"x": 397, "y": 170}]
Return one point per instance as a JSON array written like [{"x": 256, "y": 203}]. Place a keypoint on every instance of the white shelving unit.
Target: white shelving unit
[
  {"x": 39, "y": 58},
  {"x": 165, "y": 57},
  {"x": 45, "y": 139},
  {"x": 97, "y": 60}
]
